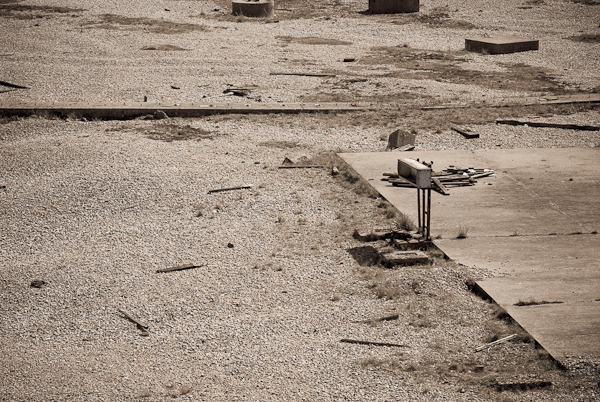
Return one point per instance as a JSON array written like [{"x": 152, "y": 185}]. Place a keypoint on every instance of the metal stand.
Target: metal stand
[{"x": 424, "y": 208}]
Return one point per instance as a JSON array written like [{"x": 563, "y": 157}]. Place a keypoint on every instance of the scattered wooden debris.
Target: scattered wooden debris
[
  {"x": 179, "y": 268},
  {"x": 465, "y": 132},
  {"x": 548, "y": 125},
  {"x": 441, "y": 181},
  {"x": 499, "y": 341},
  {"x": 306, "y": 74},
  {"x": 139, "y": 326},
  {"x": 218, "y": 190},
  {"x": 8, "y": 84},
  {"x": 373, "y": 343}
]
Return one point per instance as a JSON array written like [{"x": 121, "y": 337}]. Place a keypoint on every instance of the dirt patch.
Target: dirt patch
[
  {"x": 167, "y": 132},
  {"x": 312, "y": 41},
  {"x": 437, "y": 19},
  {"x": 117, "y": 22},
  {"x": 8, "y": 9},
  {"x": 166, "y": 48},
  {"x": 587, "y": 2},
  {"x": 586, "y": 38},
  {"x": 421, "y": 64}
]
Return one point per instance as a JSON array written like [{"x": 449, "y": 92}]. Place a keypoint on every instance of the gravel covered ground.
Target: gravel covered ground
[{"x": 94, "y": 208}]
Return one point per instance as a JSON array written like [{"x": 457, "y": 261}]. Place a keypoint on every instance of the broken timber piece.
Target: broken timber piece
[
  {"x": 489, "y": 345},
  {"x": 402, "y": 182},
  {"x": 141, "y": 327},
  {"x": 548, "y": 125},
  {"x": 306, "y": 74},
  {"x": 373, "y": 343},
  {"x": 8, "y": 84},
  {"x": 179, "y": 268},
  {"x": 465, "y": 132},
  {"x": 379, "y": 319},
  {"x": 522, "y": 385},
  {"x": 501, "y": 44},
  {"x": 301, "y": 166},
  {"x": 230, "y": 188},
  {"x": 480, "y": 175},
  {"x": 442, "y": 188}
]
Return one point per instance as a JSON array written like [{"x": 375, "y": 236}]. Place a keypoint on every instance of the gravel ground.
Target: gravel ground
[{"x": 94, "y": 208}]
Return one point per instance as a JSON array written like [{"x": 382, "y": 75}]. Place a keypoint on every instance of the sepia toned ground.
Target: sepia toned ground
[{"x": 94, "y": 208}]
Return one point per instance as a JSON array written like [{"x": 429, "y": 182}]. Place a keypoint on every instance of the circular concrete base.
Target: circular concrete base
[
  {"x": 393, "y": 6},
  {"x": 251, "y": 8}
]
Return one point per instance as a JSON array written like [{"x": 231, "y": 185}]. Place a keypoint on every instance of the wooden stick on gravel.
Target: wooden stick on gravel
[
  {"x": 230, "y": 188},
  {"x": 180, "y": 268},
  {"x": 379, "y": 319},
  {"x": 373, "y": 343},
  {"x": 489, "y": 345},
  {"x": 133, "y": 320},
  {"x": 301, "y": 167}
]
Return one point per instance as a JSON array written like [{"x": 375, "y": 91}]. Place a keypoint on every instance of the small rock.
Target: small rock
[
  {"x": 159, "y": 115},
  {"x": 230, "y": 245},
  {"x": 335, "y": 171},
  {"x": 37, "y": 283}
]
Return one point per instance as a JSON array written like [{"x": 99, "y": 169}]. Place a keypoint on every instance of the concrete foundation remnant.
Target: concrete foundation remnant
[
  {"x": 393, "y": 6},
  {"x": 501, "y": 44},
  {"x": 253, "y": 8}
]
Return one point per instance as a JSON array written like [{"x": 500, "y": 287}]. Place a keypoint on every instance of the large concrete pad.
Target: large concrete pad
[{"x": 533, "y": 226}]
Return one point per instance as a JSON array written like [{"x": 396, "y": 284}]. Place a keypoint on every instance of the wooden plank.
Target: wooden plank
[
  {"x": 230, "y": 188},
  {"x": 489, "y": 345},
  {"x": 402, "y": 181},
  {"x": 306, "y": 74},
  {"x": 373, "y": 343},
  {"x": 180, "y": 268},
  {"x": 8, "y": 84},
  {"x": 548, "y": 125},
  {"x": 301, "y": 167},
  {"x": 465, "y": 132},
  {"x": 442, "y": 188}
]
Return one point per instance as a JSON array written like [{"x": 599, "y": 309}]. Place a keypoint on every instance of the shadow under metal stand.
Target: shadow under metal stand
[{"x": 424, "y": 208}]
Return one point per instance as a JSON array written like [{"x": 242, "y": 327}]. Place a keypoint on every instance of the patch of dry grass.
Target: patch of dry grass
[{"x": 118, "y": 22}]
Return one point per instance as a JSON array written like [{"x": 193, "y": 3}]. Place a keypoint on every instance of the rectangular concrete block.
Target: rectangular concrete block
[
  {"x": 404, "y": 258},
  {"x": 501, "y": 44}
]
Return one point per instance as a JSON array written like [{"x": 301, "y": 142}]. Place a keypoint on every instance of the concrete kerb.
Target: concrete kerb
[{"x": 134, "y": 110}]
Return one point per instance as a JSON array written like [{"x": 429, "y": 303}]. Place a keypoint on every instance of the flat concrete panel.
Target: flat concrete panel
[
  {"x": 522, "y": 228},
  {"x": 501, "y": 44}
]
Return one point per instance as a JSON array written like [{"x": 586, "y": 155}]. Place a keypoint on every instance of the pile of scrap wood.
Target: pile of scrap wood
[{"x": 440, "y": 181}]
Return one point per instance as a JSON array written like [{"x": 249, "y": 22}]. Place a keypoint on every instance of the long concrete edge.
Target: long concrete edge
[
  {"x": 479, "y": 291},
  {"x": 129, "y": 110},
  {"x": 476, "y": 288}
]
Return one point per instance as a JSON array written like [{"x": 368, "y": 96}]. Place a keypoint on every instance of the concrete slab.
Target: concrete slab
[
  {"x": 501, "y": 44},
  {"x": 532, "y": 226}
]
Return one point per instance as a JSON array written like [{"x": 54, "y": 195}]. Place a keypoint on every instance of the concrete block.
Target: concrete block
[
  {"x": 404, "y": 258},
  {"x": 372, "y": 234},
  {"x": 393, "y": 6},
  {"x": 252, "y": 8},
  {"x": 400, "y": 138},
  {"x": 501, "y": 44},
  {"x": 411, "y": 244}
]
